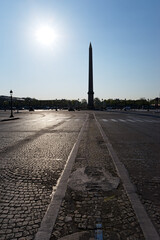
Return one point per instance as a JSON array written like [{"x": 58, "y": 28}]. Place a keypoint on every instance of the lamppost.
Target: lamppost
[
  {"x": 11, "y": 93},
  {"x": 56, "y": 104},
  {"x": 102, "y": 105},
  {"x": 148, "y": 104}
]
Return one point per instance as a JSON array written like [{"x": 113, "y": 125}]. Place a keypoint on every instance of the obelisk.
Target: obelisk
[{"x": 90, "y": 81}]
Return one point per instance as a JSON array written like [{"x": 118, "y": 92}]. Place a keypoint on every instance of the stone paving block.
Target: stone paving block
[
  {"x": 112, "y": 208},
  {"x": 29, "y": 170}
]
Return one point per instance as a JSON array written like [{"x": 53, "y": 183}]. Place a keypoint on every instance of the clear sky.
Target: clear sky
[{"x": 44, "y": 48}]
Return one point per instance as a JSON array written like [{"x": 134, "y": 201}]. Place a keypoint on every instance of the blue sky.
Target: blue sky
[{"x": 125, "y": 36}]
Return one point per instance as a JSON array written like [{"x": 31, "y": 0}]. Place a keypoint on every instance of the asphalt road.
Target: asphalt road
[
  {"x": 34, "y": 150},
  {"x": 136, "y": 139}
]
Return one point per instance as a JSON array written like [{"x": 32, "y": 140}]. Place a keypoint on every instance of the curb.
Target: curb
[{"x": 47, "y": 224}]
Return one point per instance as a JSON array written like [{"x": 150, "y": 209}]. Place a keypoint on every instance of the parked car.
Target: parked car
[
  {"x": 109, "y": 108},
  {"x": 126, "y": 108}
]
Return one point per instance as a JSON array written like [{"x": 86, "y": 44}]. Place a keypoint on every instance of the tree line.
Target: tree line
[{"x": 100, "y": 104}]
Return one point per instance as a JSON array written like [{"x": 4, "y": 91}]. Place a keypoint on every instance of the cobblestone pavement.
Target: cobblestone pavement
[
  {"x": 28, "y": 172},
  {"x": 81, "y": 210}
]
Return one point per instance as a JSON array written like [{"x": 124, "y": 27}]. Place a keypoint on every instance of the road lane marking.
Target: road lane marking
[
  {"x": 150, "y": 121},
  {"x": 50, "y": 216},
  {"x": 105, "y": 120},
  {"x": 121, "y": 120},
  {"x": 129, "y": 120},
  {"x": 113, "y": 120},
  {"x": 147, "y": 227}
]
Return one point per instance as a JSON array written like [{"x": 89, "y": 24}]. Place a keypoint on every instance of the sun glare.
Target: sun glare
[{"x": 45, "y": 35}]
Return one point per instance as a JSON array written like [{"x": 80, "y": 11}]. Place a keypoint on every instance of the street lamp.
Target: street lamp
[
  {"x": 56, "y": 104},
  {"x": 102, "y": 105},
  {"x": 11, "y": 93},
  {"x": 148, "y": 104}
]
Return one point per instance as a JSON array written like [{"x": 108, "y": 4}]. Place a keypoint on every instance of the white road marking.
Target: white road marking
[
  {"x": 150, "y": 121},
  {"x": 122, "y": 120},
  {"x": 137, "y": 120},
  {"x": 105, "y": 120},
  {"x": 129, "y": 120},
  {"x": 113, "y": 120}
]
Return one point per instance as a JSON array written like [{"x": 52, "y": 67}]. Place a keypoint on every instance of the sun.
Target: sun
[{"x": 45, "y": 35}]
